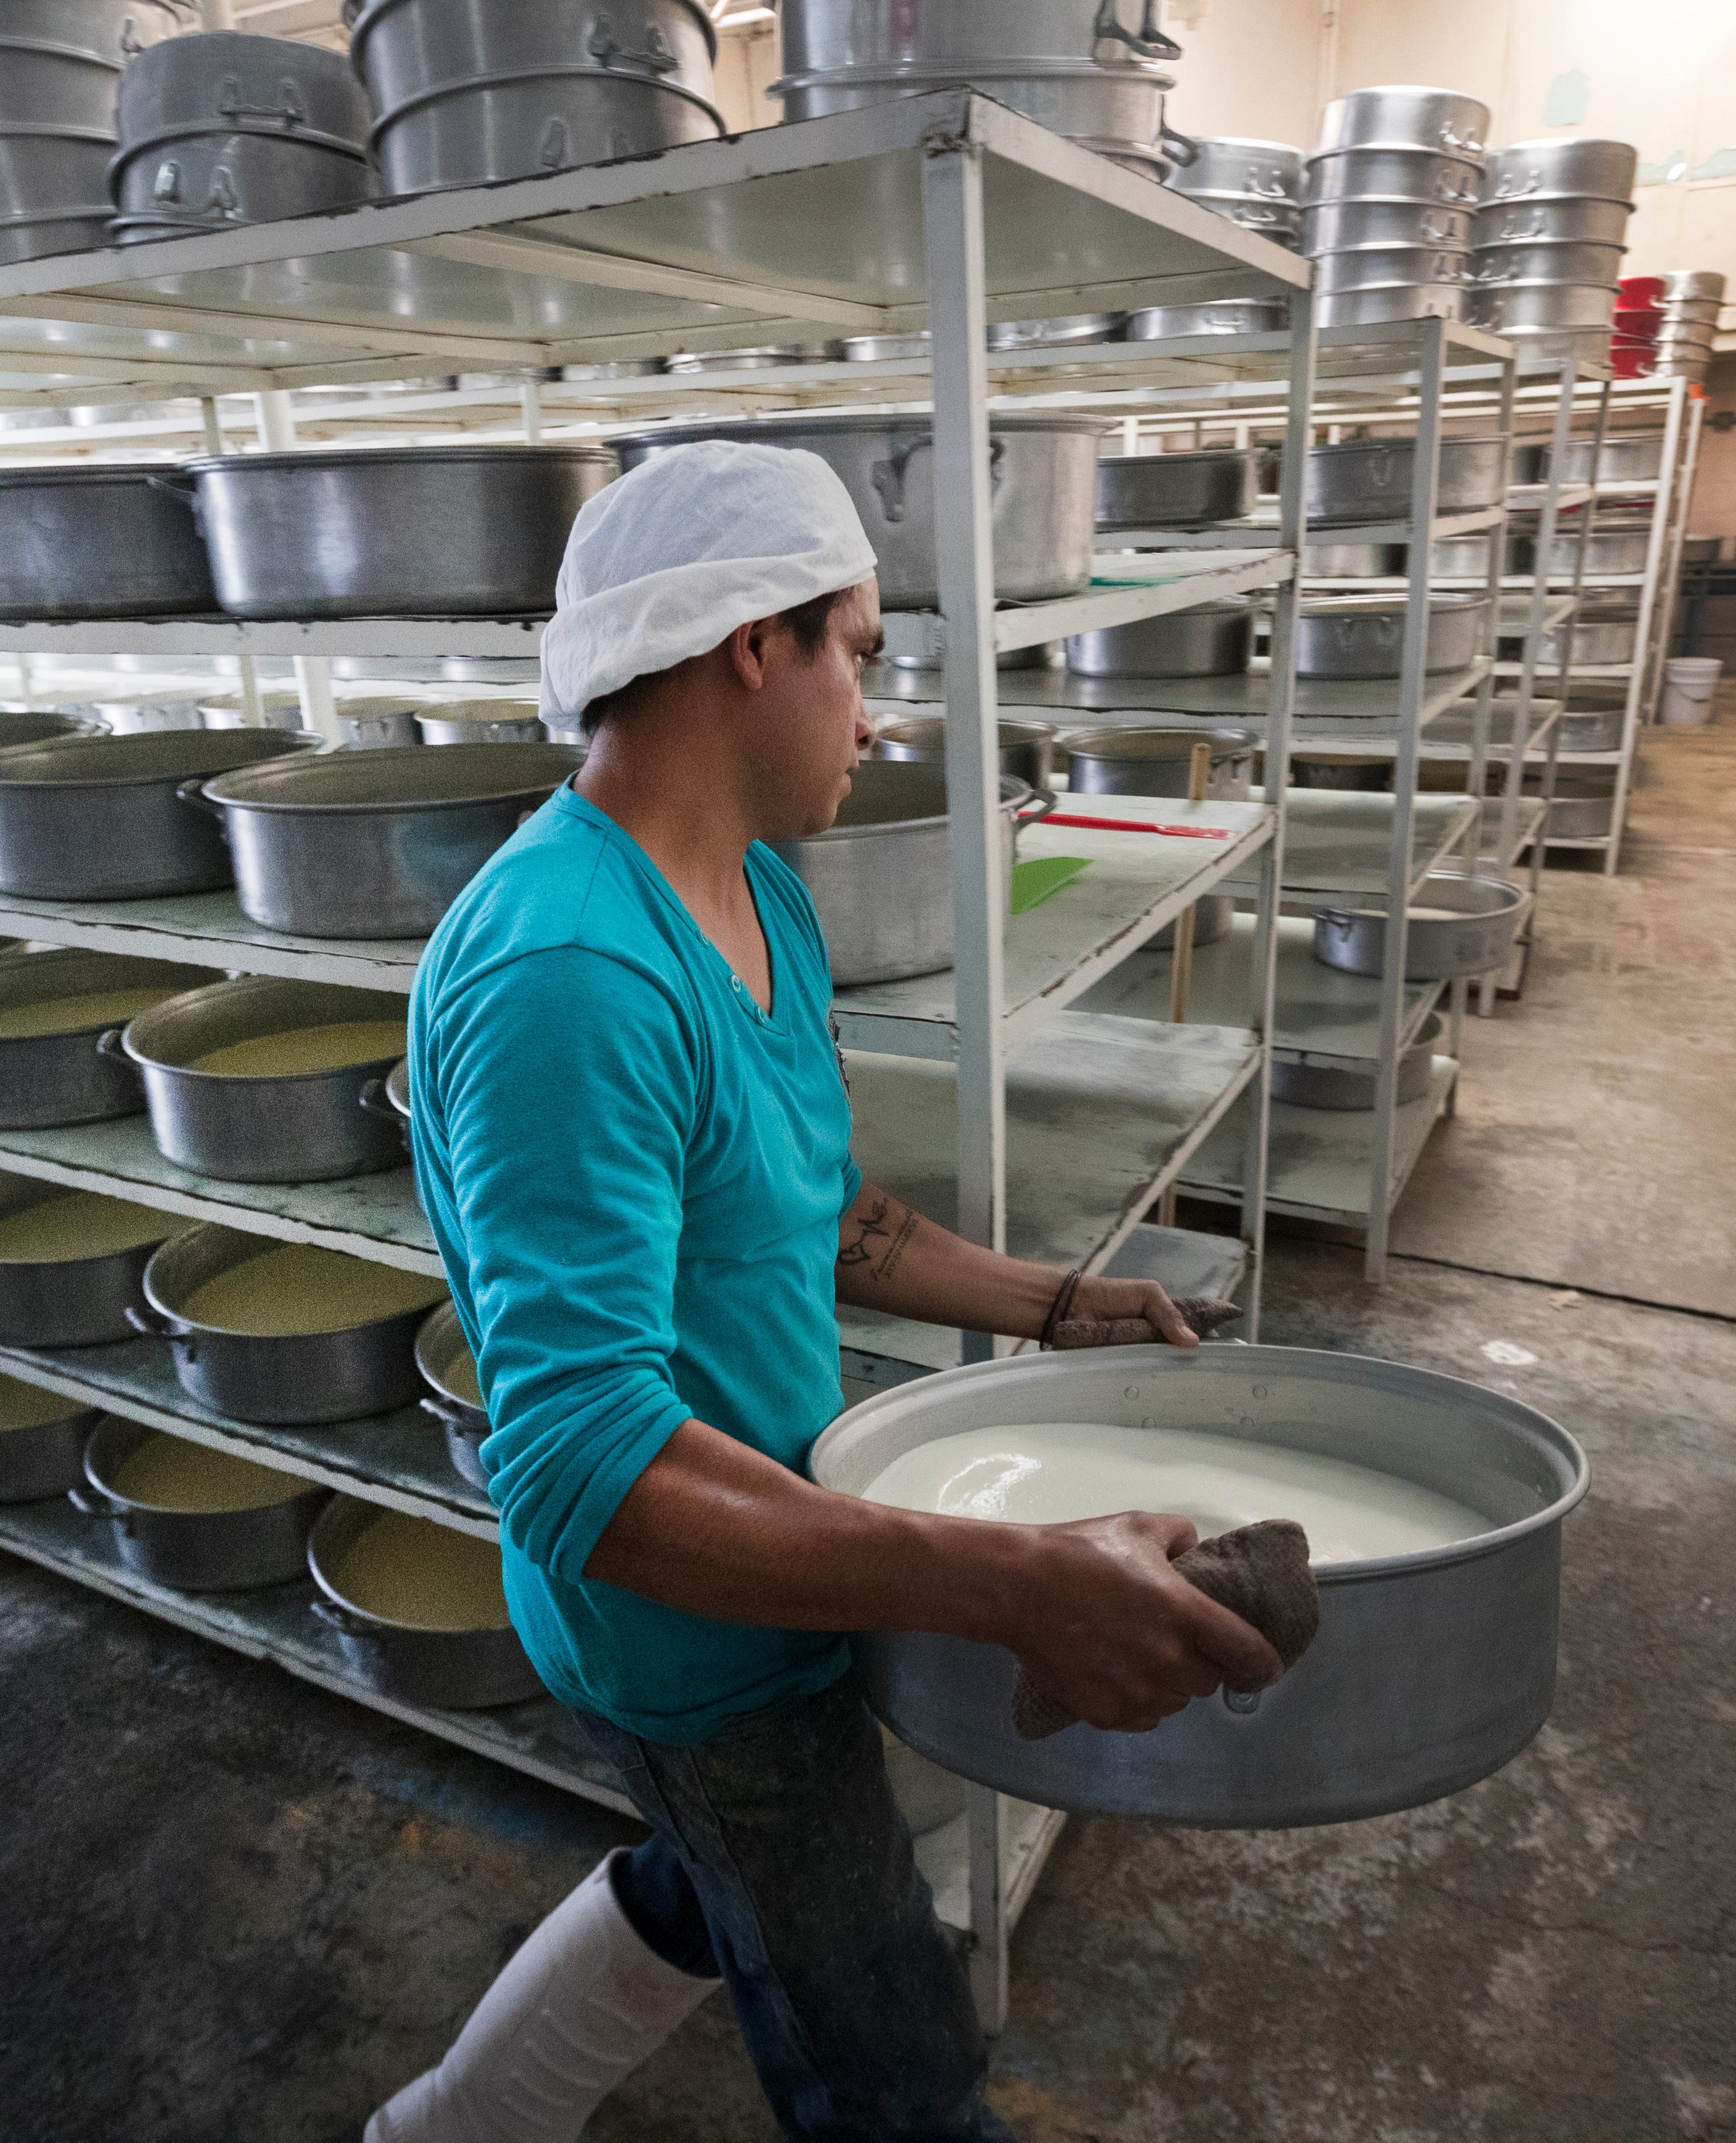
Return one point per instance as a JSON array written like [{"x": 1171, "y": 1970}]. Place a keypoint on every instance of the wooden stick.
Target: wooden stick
[{"x": 1181, "y": 965}]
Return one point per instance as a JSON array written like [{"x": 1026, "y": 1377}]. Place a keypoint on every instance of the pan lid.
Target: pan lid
[
  {"x": 80, "y": 762},
  {"x": 355, "y": 781}
]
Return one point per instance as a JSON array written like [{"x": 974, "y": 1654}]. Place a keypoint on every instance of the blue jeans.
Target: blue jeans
[{"x": 779, "y": 1860}]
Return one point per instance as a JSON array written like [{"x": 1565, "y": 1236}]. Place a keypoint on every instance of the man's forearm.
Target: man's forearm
[{"x": 890, "y": 1258}]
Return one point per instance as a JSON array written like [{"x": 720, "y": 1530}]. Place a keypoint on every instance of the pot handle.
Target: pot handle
[
  {"x": 91, "y": 1503},
  {"x": 1042, "y": 801},
  {"x": 373, "y": 1099},
  {"x": 1183, "y": 147},
  {"x": 193, "y": 792},
  {"x": 1148, "y": 40},
  {"x": 338, "y": 1618},
  {"x": 151, "y": 1324},
  {"x": 289, "y": 111},
  {"x": 108, "y": 1044},
  {"x": 448, "y": 1416},
  {"x": 602, "y": 44},
  {"x": 185, "y": 488},
  {"x": 888, "y": 477}
]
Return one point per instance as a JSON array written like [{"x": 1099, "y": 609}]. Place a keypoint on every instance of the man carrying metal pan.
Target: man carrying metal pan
[{"x": 632, "y": 1137}]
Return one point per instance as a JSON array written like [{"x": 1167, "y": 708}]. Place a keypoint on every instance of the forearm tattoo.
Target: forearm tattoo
[{"x": 875, "y": 1240}]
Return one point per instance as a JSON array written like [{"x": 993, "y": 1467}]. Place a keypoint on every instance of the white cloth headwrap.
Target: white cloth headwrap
[{"x": 664, "y": 563}]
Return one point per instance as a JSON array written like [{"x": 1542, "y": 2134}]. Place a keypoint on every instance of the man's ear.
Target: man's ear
[{"x": 748, "y": 648}]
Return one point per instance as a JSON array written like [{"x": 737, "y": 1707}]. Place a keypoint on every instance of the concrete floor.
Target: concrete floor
[{"x": 233, "y": 1907}]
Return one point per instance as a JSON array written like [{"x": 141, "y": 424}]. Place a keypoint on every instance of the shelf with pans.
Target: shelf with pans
[
  {"x": 1527, "y": 819},
  {"x": 1246, "y": 534},
  {"x": 1339, "y": 842}
]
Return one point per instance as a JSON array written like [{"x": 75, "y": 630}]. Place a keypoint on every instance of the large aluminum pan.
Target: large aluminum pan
[
  {"x": 448, "y": 1368},
  {"x": 1690, "y": 340},
  {"x": 366, "y": 1367},
  {"x": 228, "y": 710},
  {"x": 1215, "y": 640},
  {"x": 1458, "y": 925},
  {"x": 1546, "y": 346},
  {"x": 1352, "y": 562},
  {"x": 1358, "y": 636},
  {"x": 1212, "y": 316},
  {"x": 1592, "y": 721},
  {"x": 1308, "y": 1085},
  {"x": 1704, "y": 284},
  {"x": 480, "y": 721},
  {"x": 1116, "y": 110},
  {"x": 1370, "y": 479},
  {"x": 1536, "y": 304},
  {"x": 1126, "y": 761},
  {"x": 1340, "y": 226},
  {"x": 79, "y": 1301},
  {"x": 1380, "y": 267},
  {"x": 1353, "y": 1729},
  {"x": 1572, "y": 216},
  {"x": 1042, "y": 475},
  {"x": 1174, "y": 491},
  {"x": 881, "y": 876},
  {"x": 764, "y": 357},
  {"x": 42, "y": 1437},
  {"x": 1392, "y": 301},
  {"x": 470, "y": 96},
  {"x": 79, "y": 542},
  {"x": 1062, "y": 328},
  {"x": 1365, "y": 773},
  {"x": 60, "y": 60},
  {"x": 1549, "y": 260},
  {"x": 1279, "y": 221},
  {"x": 1391, "y": 174},
  {"x": 1466, "y": 557},
  {"x": 1583, "y": 808},
  {"x": 379, "y": 725},
  {"x": 1026, "y": 749},
  {"x": 374, "y": 844},
  {"x": 1404, "y": 116},
  {"x": 459, "y": 1669},
  {"x": 877, "y": 349},
  {"x": 54, "y": 1007},
  {"x": 905, "y": 36},
  {"x": 196, "y": 1550},
  {"x": 279, "y": 1127},
  {"x": 99, "y": 819},
  {"x": 1594, "y": 637},
  {"x": 1238, "y": 164},
  {"x": 1608, "y": 550},
  {"x": 319, "y": 533},
  {"x": 1558, "y": 166}
]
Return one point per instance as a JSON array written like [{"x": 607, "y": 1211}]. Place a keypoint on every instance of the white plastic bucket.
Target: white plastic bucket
[{"x": 1689, "y": 681}]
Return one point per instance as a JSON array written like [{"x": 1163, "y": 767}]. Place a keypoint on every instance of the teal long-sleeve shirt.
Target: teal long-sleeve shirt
[{"x": 635, "y": 1177}]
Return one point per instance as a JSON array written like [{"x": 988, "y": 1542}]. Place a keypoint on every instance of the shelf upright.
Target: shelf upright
[{"x": 1679, "y": 478}]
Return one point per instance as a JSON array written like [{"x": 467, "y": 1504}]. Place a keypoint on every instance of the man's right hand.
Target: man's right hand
[{"x": 1108, "y": 1629}]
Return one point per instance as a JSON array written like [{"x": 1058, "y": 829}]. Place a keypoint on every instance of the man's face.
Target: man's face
[{"x": 811, "y": 719}]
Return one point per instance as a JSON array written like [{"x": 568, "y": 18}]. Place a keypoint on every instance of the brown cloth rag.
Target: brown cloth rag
[
  {"x": 1260, "y": 1572},
  {"x": 1201, "y": 1314}
]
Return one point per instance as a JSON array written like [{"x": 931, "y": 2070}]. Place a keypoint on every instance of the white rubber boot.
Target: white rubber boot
[{"x": 579, "y": 2007}]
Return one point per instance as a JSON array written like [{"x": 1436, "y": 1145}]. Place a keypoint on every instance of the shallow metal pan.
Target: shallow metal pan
[
  {"x": 58, "y": 1076},
  {"x": 1391, "y": 174},
  {"x": 68, "y": 1302},
  {"x": 1633, "y": 457},
  {"x": 840, "y": 35},
  {"x": 379, "y": 725},
  {"x": 1306, "y": 1085},
  {"x": 1568, "y": 216},
  {"x": 1371, "y": 479},
  {"x": 1403, "y": 115},
  {"x": 1337, "y": 226},
  {"x": 98, "y": 543},
  {"x": 1174, "y": 491},
  {"x": 1478, "y": 938},
  {"x": 480, "y": 721},
  {"x": 1026, "y": 749},
  {"x": 1216, "y": 639},
  {"x": 1152, "y": 761},
  {"x": 1381, "y": 267},
  {"x": 1557, "y": 166},
  {"x": 1392, "y": 301},
  {"x": 1594, "y": 637},
  {"x": 1240, "y": 163},
  {"x": 1364, "y": 772},
  {"x": 1607, "y": 551},
  {"x": 43, "y": 1454},
  {"x": 1350, "y": 561},
  {"x": 1535, "y": 305},
  {"x": 449, "y": 1367},
  {"x": 764, "y": 357},
  {"x": 1583, "y": 808},
  {"x": 1215, "y": 316},
  {"x": 1353, "y": 1729},
  {"x": 1548, "y": 260},
  {"x": 300, "y": 1127},
  {"x": 1358, "y": 636}
]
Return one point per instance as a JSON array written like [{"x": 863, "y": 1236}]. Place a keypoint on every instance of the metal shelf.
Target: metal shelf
[
  {"x": 1525, "y": 823},
  {"x": 398, "y": 1459},
  {"x": 1530, "y": 497},
  {"x": 1201, "y": 580},
  {"x": 1136, "y": 885},
  {"x": 1339, "y": 842},
  {"x": 1246, "y": 534},
  {"x": 1318, "y": 1159},
  {"x": 166, "y": 641},
  {"x": 1321, "y": 1015},
  {"x": 374, "y": 1217}
]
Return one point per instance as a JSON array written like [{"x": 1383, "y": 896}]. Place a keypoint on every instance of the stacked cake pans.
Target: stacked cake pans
[
  {"x": 1551, "y": 232},
  {"x": 1256, "y": 184},
  {"x": 1388, "y": 195},
  {"x": 1095, "y": 70},
  {"x": 60, "y": 60},
  {"x": 1691, "y": 301}
]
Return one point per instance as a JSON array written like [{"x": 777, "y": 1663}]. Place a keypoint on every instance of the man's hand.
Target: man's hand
[{"x": 1099, "y": 1301}]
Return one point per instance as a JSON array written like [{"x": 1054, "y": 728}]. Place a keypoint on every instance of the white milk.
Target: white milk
[{"x": 1048, "y": 1472}]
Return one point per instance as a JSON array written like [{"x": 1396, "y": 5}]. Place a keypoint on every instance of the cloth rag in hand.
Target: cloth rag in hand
[
  {"x": 1260, "y": 1571},
  {"x": 1199, "y": 1313}
]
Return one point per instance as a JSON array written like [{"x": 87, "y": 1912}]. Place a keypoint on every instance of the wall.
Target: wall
[
  {"x": 1248, "y": 66},
  {"x": 747, "y": 61}
]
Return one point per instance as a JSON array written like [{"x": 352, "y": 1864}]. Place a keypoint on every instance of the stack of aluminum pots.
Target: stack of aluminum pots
[
  {"x": 227, "y": 127},
  {"x": 1256, "y": 184},
  {"x": 60, "y": 60},
  {"x": 1638, "y": 317},
  {"x": 1095, "y": 70},
  {"x": 1389, "y": 193},
  {"x": 1550, "y": 233},
  {"x": 1691, "y": 301}
]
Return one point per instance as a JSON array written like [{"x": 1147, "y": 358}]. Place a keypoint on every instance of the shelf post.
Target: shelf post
[
  {"x": 313, "y": 672},
  {"x": 1563, "y": 668},
  {"x": 956, "y": 284},
  {"x": 1521, "y": 730},
  {"x": 1637, "y": 710},
  {"x": 252, "y": 712}
]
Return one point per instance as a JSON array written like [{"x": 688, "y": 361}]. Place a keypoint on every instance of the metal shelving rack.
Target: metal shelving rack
[{"x": 1059, "y": 1126}]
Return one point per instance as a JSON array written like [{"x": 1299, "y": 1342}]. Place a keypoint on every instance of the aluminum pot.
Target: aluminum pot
[
  {"x": 1174, "y": 491},
  {"x": 1353, "y": 561},
  {"x": 1354, "y": 1729},
  {"x": 1370, "y": 479},
  {"x": 1575, "y": 217},
  {"x": 98, "y": 543},
  {"x": 299, "y": 1127},
  {"x": 69, "y": 1302},
  {"x": 1391, "y": 174},
  {"x": 61, "y": 59},
  {"x": 98, "y": 819},
  {"x": 1557, "y": 166},
  {"x": 1026, "y": 749},
  {"x": 374, "y": 843},
  {"x": 1628, "y": 458},
  {"x": 228, "y": 710},
  {"x": 316, "y": 534},
  {"x": 36, "y": 725},
  {"x": 1594, "y": 637},
  {"x": 1593, "y": 724},
  {"x": 447, "y": 1366},
  {"x": 1549, "y": 260},
  {"x": 1216, "y": 639},
  {"x": 1392, "y": 301},
  {"x": 228, "y": 127},
  {"x": 1306, "y": 1085},
  {"x": 1215, "y": 316},
  {"x": 1476, "y": 937},
  {"x": 1537, "y": 305},
  {"x": 196, "y": 1550},
  {"x": 1607, "y": 551},
  {"x": 1113, "y": 108},
  {"x": 1156, "y": 762},
  {"x": 828, "y": 36},
  {"x": 1214, "y": 915},
  {"x": 379, "y": 725},
  {"x": 141, "y": 717},
  {"x": 877, "y": 349},
  {"x": 1366, "y": 772},
  {"x": 1339, "y": 226},
  {"x": 1466, "y": 557},
  {"x": 1583, "y": 808},
  {"x": 1690, "y": 340},
  {"x": 1693, "y": 286},
  {"x": 1380, "y": 267},
  {"x": 768, "y": 357},
  {"x": 50, "y": 1071},
  {"x": 1279, "y": 221},
  {"x": 1238, "y": 164},
  {"x": 480, "y": 721},
  {"x": 881, "y": 877},
  {"x": 468, "y": 96},
  {"x": 1402, "y": 115},
  {"x": 454, "y": 1670},
  {"x": 1042, "y": 475},
  {"x": 32, "y": 237},
  {"x": 340, "y": 1375},
  {"x": 1063, "y": 327},
  {"x": 1546, "y": 346},
  {"x": 42, "y": 1437}
]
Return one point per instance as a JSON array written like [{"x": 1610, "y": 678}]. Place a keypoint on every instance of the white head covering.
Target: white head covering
[{"x": 666, "y": 561}]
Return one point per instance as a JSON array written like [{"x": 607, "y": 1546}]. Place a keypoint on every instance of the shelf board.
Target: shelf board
[
  {"x": 1525, "y": 832},
  {"x": 166, "y": 640},
  {"x": 1577, "y": 841},
  {"x": 1533, "y": 497},
  {"x": 1339, "y": 842},
  {"x": 1318, "y": 1161},
  {"x": 1101, "y": 1113},
  {"x": 1136, "y": 883},
  {"x": 276, "y": 1622},
  {"x": 374, "y": 1217},
  {"x": 1322, "y": 1014},
  {"x": 1231, "y": 534},
  {"x": 1109, "y": 601}
]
